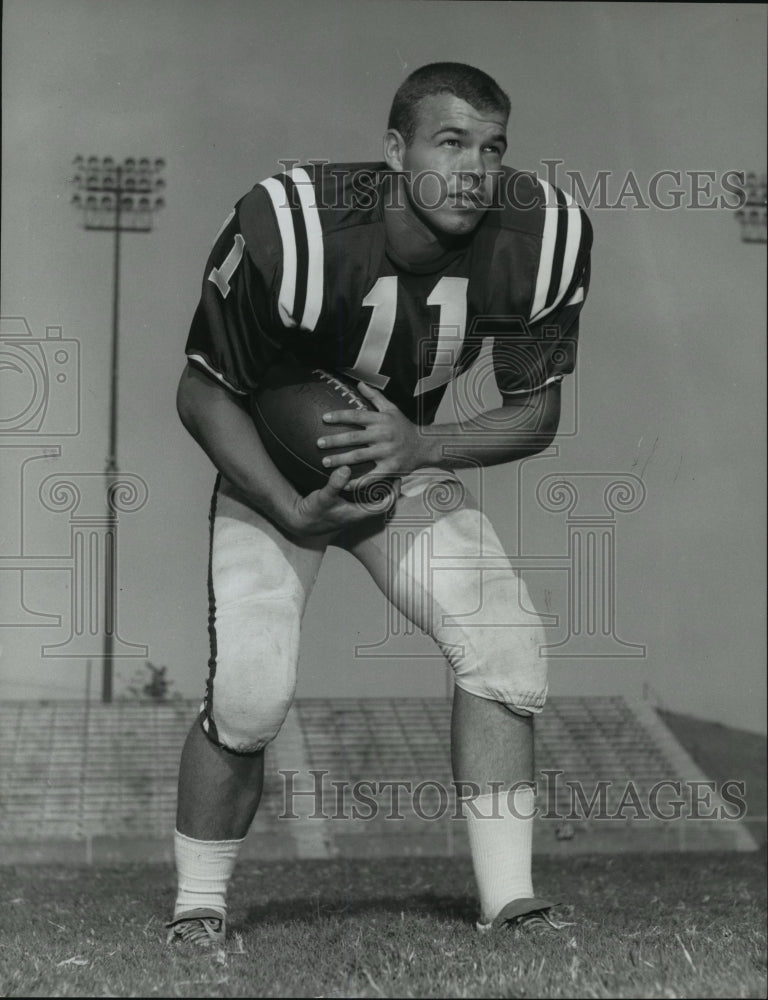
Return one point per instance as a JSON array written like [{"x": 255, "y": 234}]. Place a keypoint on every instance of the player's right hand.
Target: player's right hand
[{"x": 326, "y": 510}]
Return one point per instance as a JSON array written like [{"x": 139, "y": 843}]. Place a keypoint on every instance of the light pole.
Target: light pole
[{"x": 116, "y": 198}]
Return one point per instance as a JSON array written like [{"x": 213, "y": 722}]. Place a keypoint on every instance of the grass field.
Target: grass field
[{"x": 642, "y": 926}]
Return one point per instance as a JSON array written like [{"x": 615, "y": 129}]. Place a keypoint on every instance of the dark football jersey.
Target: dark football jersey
[{"x": 301, "y": 267}]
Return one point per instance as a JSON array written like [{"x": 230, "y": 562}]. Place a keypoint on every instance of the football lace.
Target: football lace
[{"x": 340, "y": 387}]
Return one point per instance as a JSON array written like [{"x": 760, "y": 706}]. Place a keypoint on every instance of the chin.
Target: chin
[{"x": 455, "y": 223}]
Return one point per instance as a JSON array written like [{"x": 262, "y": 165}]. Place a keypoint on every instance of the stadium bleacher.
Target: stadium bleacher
[{"x": 93, "y": 782}]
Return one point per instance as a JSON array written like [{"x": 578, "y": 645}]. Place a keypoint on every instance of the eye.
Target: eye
[
  {"x": 450, "y": 142},
  {"x": 496, "y": 150}
]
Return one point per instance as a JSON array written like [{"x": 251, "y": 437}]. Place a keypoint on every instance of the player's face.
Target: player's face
[{"x": 452, "y": 163}]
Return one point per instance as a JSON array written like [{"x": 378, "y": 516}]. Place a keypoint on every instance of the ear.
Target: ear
[{"x": 394, "y": 149}]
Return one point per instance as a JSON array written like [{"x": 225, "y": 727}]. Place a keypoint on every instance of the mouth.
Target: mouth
[{"x": 466, "y": 201}]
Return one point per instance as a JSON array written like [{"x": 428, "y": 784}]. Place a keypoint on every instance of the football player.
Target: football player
[{"x": 393, "y": 275}]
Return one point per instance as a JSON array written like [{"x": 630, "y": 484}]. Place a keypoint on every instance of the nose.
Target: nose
[{"x": 473, "y": 170}]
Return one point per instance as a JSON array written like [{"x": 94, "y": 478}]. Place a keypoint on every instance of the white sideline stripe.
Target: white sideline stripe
[
  {"x": 578, "y": 296},
  {"x": 287, "y": 298},
  {"x": 313, "y": 303},
  {"x": 217, "y": 375}
]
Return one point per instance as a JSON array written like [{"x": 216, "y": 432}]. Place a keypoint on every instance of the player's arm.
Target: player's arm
[
  {"x": 222, "y": 426},
  {"x": 524, "y": 425},
  {"x": 233, "y": 339},
  {"x": 529, "y": 362},
  {"x": 528, "y": 371}
]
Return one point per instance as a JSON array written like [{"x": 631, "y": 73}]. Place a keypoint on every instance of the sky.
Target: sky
[{"x": 667, "y": 400}]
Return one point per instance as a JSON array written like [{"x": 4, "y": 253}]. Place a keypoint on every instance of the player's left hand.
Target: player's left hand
[{"x": 385, "y": 436}]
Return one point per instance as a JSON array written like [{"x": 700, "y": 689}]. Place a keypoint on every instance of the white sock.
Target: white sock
[
  {"x": 204, "y": 868},
  {"x": 501, "y": 842}
]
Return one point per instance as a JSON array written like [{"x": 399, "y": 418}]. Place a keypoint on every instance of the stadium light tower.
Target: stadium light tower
[{"x": 115, "y": 198}]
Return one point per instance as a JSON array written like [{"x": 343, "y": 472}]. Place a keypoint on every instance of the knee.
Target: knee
[
  {"x": 253, "y": 674},
  {"x": 523, "y": 695},
  {"x": 245, "y": 725},
  {"x": 503, "y": 658}
]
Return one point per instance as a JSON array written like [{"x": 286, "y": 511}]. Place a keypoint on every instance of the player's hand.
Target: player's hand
[
  {"x": 326, "y": 510},
  {"x": 384, "y": 436}
]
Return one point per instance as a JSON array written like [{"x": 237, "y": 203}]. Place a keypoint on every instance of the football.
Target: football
[{"x": 287, "y": 409}]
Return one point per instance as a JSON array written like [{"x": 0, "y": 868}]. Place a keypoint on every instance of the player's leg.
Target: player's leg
[
  {"x": 235, "y": 780},
  {"x": 492, "y": 751},
  {"x": 489, "y": 743},
  {"x": 259, "y": 581},
  {"x": 440, "y": 561},
  {"x": 492, "y": 740}
]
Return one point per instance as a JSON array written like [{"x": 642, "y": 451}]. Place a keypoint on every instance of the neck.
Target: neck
[{"x": 410, "y": 241}]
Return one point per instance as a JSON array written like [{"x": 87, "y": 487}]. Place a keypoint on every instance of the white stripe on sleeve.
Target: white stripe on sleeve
[
  {"x": 570, "y": 256},
  {"x": 200, "y": 360},
  {"x": 287, "y": 297},
  {"x": 314, "y": 300},
  {"x": 528, "y": 389},
  {"x": 547, "y": 255}
]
